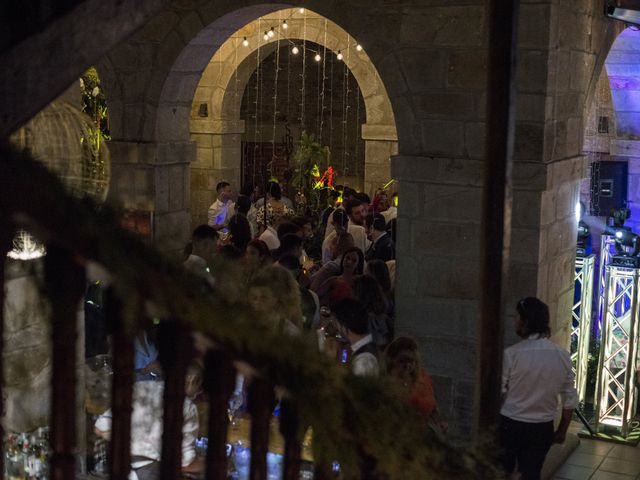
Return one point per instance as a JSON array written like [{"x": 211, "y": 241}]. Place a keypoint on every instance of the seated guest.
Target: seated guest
[
  {"x": 367, "y": 290},
  {"x": 382, "y": 246},
  {"x": 340, "y": 244},
  {"x": 239, "y": 232},
  {"x": 275, "y": 207},
  {"x": 353, "y": 324},
  {"x": 290, "y": 244},
  {"x": 380, "y": 271},
  {"x": 204, "y": 243},
  {"x": 146, "y": 427},
  {"x": 309, "y": 300},
  {"x": 403, "y": 364},
  {"x": 341, "y": 285},
  {"x": 275, "y": 298}
]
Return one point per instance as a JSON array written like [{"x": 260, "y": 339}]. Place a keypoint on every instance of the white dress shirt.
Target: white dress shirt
[
  {"x": 360, "y": 240},
  {"x": 535, "y": 372},
  {"x": 364, "y": 364},
  {"x": 270, "y": 237},
  {"x": 219, "y": 213},
  {"x": 146, "y": 424}
]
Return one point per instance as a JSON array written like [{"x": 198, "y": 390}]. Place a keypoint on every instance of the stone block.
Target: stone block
[
  {"x": 456, "y": 26},
  {"x": 172, "y": 230},
  {"x": 451, "y": 239},
  {"x": 449, "y": 277},
  {"x": 582, "y": 64},
  {"x": 143, "y": 181},
  {"x": 523, "y": 281},
  {"x": 172, "y": 123},
  {"x": 178, "y": 200},
  {"x": 415, "y": 61},
  {"x": 533, "y": 31},
  {"x": 444, "y": 317},
  {"x": 449, "y": 356},
  {"x": 451, "y": 105},
  {"x": 169, "y": 51},
  {"x": 566, "y": 199},
  {"x": 204, "y": 158},
  {"x": 407, "y": 279},
  {"x": 529, "y": 142},
  {"x": 159, "y": 26},
  {"x": 443, "y": 137},
  {"x": 379, "y": 132},
  {"x": 529, "y": 175},
  {"x": 526, "y": 208},
  {"x": 189, "y": 24},
  {"x": 463, "y": 410},
  {"x": 467, "y": 69},
  {"x": 176, "y": 152},
  {"x": 181, "y": 87},
  {"x": 123, "y": 152},
  {"x": 161, "y": 190},
  {"x": 411, "y": 204},
  {"x": 390, "y": 71},
  {"x": 475, "y": 135},
  {"x": 624, "y": 148},
  {"x": 567, "y": 170},
  {"x": 531, "y": 75},
  {"x": 452, "y": 203},
  {"x": 525, "y": 243}
]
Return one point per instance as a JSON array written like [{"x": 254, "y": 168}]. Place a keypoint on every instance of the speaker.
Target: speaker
[{"x": 608, "y": 187}]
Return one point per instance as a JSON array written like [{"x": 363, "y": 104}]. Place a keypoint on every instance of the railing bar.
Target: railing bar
[
  {"x": 218, "y": 383},
  {"x": 175, "y": 352},
  {"x": 260, "y": 406},
  {"x": 122, "y": 391},
  {"x": 65, "y": 282},
  {"x": 289, "y": 425}
]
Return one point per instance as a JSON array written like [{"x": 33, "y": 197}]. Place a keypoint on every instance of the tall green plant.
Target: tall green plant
[{"x": 310, "y": 158}]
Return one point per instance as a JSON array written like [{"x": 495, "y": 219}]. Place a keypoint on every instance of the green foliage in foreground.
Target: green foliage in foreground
[{"x": 349, "y": 416}]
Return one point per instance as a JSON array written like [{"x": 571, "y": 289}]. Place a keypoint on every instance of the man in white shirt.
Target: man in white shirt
[
  {"x": 223, "y": 208},
  {"x": 353, "y": 324},
  {"x": 535, "y": 372},
  {"x": 146, "y": 427},
  {"x": 341, "y": 219},
  {"x": 204, "y": 242}
]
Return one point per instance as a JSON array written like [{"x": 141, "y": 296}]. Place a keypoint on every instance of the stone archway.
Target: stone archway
[{"x": 219, "y": 92}]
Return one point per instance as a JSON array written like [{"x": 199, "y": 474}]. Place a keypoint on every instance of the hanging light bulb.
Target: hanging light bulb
[
  {"x": 265, "y": 36},
  {"x": 302, "y": 10},
  {"x": 295, "y": 50},
  {"x": 284, "y": 24},
  {"x": 359, "y": 47},
  {"x": 271, "y": 33},
  {"x": 317, "y": 58},
  {"x": 339, "y": 56},
  {"x": 245, "y": 42}
]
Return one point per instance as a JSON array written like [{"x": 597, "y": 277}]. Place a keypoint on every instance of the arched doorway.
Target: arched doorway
[{"x": 216, "y": 124}]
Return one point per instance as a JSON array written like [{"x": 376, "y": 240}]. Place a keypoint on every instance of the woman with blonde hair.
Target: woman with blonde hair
[{"x": 275, "y": 298}]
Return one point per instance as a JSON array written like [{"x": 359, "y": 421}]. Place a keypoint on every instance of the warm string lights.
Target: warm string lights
[{"x": 270, "y": 33}]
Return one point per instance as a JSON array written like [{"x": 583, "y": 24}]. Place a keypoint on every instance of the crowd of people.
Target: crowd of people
[{"x": 331, "y": 276}]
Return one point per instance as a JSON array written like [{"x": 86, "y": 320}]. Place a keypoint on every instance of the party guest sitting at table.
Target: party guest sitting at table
[
  {"x": 146, "y": 427},
  {"x": 353, "y": 324}
]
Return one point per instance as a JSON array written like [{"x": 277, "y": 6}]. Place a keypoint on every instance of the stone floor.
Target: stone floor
[{"x": 598, "y": 460}]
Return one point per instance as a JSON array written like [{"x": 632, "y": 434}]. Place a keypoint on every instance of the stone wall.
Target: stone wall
[{"x": 431, "y": 60}]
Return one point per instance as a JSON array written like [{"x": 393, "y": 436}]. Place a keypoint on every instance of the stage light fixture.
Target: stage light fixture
[{"x": 626, "y": 15}]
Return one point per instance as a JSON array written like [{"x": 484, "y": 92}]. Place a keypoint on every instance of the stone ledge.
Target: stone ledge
[
  {"x": 625, "y": 148},
  {"x": 379, "y": 132},
  {"x": 219, "y": 127}
]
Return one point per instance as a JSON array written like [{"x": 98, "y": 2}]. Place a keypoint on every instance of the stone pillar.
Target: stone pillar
[
  {"x": 381, "y": 142},
  {"x": 218, "y": 158},
  {"x": 155, "y": 178}
]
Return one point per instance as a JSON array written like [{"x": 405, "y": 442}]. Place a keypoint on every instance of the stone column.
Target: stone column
[
  {"x": 381, "y": 142},
  {"x": 218, "y": 158},
  {"x": 155, "y": 177}
]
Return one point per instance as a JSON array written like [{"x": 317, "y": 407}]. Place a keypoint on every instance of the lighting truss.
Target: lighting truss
[
  {"x": 581, "y": 321},
  {"x": 615, "y": 394},
  {"x": 607, "y": 251}
]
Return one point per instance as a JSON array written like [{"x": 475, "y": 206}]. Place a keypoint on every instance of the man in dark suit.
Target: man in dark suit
[{"x": 382, "y": 247}]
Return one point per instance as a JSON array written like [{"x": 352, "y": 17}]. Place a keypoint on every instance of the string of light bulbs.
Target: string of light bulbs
[
  {"x": 324, "y": 70},
  {"x": 256, "y": 131},
  {"x": 275, "y": 107}
]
